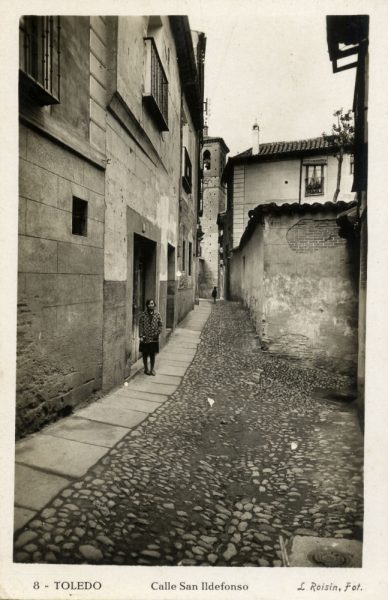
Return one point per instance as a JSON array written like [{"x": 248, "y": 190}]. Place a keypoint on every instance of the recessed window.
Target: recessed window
[
  {"x": 80, "y": 217},
  {"x": 190, "y": 257},
  {"x": 352, "y": 164},
  {"x": 206, "y": 160},
  {"x": 314, "y": 180},
  {"x": 183, "y": 255}
]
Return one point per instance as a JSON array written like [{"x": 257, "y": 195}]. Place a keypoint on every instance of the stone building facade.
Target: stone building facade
[
  {"x": 61, "y": 222},
  {"x": 298, "y": 278},
  {"x": 300, "y": 172},
  {"x": 101, "y": 195},
  {"x": 214, "y": 153},
  {"x": 303, "y": 171}
]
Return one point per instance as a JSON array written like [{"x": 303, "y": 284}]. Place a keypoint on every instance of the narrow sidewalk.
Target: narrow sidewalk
[{"x": 47, "y": 461}]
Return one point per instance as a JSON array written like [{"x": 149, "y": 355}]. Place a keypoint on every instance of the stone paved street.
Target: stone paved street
[{"x": 241, "y": 453}]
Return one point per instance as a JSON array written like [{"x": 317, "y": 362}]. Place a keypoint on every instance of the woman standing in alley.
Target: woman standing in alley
[
  {"x": 214, "y": 294},
  {"x": 150, "y": 328}
]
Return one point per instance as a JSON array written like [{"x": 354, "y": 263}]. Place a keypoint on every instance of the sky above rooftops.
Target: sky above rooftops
[{"x": 273, "y": 67}]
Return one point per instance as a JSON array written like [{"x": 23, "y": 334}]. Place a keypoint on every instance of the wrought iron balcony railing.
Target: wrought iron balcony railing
[
  {"x": 186, "y": 171},
  {"x": 314, "y": 186},
  {"x": 156, "y": 86}
]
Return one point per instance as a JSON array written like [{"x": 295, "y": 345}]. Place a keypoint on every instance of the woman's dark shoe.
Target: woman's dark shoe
[{"x": 146, "y": 372}]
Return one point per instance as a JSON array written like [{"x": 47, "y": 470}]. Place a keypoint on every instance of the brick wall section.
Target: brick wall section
[{"x": 309, "y": 235}]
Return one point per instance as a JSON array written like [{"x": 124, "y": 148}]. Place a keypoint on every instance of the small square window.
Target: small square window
[{"x": 80, "y": 217}]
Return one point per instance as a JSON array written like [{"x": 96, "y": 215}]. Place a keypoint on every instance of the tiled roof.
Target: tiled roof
[
  {"x": 294, "y": 207},
  {"x": 272, "y": 148}
]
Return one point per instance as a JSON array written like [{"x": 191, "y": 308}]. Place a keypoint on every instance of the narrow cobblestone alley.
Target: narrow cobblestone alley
[{"x": 242, "y": 453}]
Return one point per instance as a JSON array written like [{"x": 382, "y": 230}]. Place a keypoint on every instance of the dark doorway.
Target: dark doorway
[
  {"x": 144, "y": 269},
  {"x": 170, "y": 287}
]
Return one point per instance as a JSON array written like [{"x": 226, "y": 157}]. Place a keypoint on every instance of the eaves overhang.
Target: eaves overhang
[
  {"x": 257, "y": 214},
  {"x": 188, "y": 67},
  {"x": 345, "y": 35}
]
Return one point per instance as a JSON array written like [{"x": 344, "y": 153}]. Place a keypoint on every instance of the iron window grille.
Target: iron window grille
[
  {"x": 186, "y": 171},
  {"x": 39, "y": 58},
  {"x": 156, "y": 86},
  {"x": 315, "y": 180}
]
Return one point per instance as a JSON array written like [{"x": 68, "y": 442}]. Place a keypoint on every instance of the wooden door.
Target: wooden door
[{"x": 138, "y": 303}]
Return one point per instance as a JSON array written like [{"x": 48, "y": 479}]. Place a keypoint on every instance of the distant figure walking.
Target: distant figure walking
[
  {"x": 150, "y": 328},
  {"x": 214, "y": 294}
]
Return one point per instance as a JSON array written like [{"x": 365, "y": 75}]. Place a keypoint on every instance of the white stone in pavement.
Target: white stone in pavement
[
  {"x": 87, "y": 431},
  {"x": 33, "y": 488},
  {"x": 64, "y": 457},
  {"x": 115, "y": 416}
]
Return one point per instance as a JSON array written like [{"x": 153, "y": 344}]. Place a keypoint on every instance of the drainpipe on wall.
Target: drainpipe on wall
[{"x": 300, "y": 181}]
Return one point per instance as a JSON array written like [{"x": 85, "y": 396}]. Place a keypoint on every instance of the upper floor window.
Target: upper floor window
[
  {"x": 206, "y": 160},
  {"x": 352, "y": 164},
  {"x": 314, "y": 180},
  {"x": 156, "y": 86},
  {"x": 39, "y": 58},
  {"x": 186, "y": 171}
]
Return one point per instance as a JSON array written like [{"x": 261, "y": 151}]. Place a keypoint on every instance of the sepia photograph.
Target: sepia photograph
[{"x": 190, "y": 311}]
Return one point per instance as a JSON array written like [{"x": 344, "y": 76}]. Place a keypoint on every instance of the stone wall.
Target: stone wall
[
  {"x": 144, "y": 195},
  {"x": 299, "y": 280},
  {"x": 59, "y": 358},
  {"x": 60, "y": 291}
]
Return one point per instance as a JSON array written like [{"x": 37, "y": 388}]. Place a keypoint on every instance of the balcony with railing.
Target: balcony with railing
[
  {"x": 186, "y": 171},
  {"x": 39, "y": 59},
  {"x": 155, "y": 95},
  {"x": 314, "y": 186}
]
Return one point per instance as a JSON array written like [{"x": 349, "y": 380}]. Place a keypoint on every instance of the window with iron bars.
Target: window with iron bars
[
  {"x": 156, "y": 86},
  {"x": 39, "y": 58}
]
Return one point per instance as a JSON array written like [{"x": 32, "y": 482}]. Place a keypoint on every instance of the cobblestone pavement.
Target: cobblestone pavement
[{"x": 215, "y": 483}]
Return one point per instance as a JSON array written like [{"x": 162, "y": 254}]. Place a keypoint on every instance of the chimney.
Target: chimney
[{"x": 255, "y": 139}]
